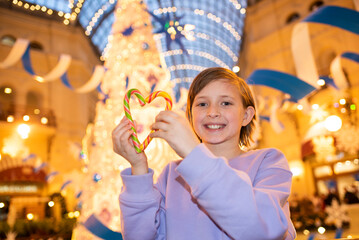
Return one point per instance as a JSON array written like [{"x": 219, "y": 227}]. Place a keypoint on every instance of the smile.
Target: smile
[{"x": 214, "y": 126}]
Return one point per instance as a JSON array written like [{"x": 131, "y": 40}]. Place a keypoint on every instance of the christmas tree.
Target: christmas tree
[{"x": 132, "y": 61}]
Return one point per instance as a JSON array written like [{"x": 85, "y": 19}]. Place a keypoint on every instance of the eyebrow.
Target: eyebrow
[{"x": 222, "y": 96}]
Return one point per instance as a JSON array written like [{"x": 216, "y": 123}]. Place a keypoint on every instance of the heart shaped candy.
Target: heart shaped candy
[{"x": 126, "y": 102}]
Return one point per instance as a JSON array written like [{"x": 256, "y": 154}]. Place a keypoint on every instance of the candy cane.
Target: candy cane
[{"x": 137, "y": 145}]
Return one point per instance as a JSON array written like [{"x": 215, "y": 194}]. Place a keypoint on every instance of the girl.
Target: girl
[{"x": 218, "y": 191}]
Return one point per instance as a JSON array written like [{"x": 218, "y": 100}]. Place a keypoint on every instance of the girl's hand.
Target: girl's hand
[
  {"x": 176, "y": 130},
  {"x": 123, "y": 145}
]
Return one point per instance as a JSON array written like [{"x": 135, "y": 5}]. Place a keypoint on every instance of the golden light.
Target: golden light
[
  {"x": 296, "y": 171},
  {"x": 39, "y": 79},
  {"x": 44, "y": 120},
  {"x": 315, "y": 106},
  {"x": 296, "y": 167},
  {"x": 10, "y": 118},
  {"x": 306, "y": 232},
  {"x": 23, "y": 130},
  {"x": 76, "y": 214},
  {"x": 333, "y": 123},
  {"x": 321, "y": 230},
  {"x": 26, "y": 118},
  {"x": 37, "y": 111},
  {"x": 0, "y": 156},
  {"x": 2, "y": 204},
  {"x": 51, "y": 203},
  {"x": 30, "y": 216},
  {"x": 321, "y": 82},
  {"x": 70, "y": 215},
  {"x": 342, "y": 101},
  {"x": 300, "y": 107},
  {"x": 236, "y": 69},
  {"x": 7, "y": 90}
]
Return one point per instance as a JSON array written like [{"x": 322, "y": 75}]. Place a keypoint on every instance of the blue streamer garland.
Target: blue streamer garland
[
  {"x": 284, "y": 82},
  {"x": 340, "y": 17},
  {"x": 26, "y": 62},
  {"x": 351, "y": 56},
  {"x": 32, "y": 155},
  {"x": 96, "y": 227}
]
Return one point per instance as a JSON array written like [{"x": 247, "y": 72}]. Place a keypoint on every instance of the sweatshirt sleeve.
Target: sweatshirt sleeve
[
  {"x": 141, "y": 204},
  {"x": 244, "y": 210}
]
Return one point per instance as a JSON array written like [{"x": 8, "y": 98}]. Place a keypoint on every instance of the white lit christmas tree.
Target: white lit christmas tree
[{"x": 133, "y": 62}]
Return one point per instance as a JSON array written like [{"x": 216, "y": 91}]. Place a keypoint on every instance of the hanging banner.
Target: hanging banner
[
  {"x": 55, "y": 73},
  {"x": 17, "y": 51},
  {"x": 304, "y": 61},
  {"x": 96, "y": 227},
  {"x": 21, "y": 50},
  {"x": 93, "y": 83},
  {"x": 336, "y": 68},
  {"x": 284, "y": 82}
]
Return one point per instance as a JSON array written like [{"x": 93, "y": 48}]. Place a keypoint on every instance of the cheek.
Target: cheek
[{"x": 196, "y": 120}]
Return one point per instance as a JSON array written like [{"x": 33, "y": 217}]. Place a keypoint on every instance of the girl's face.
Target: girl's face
[{"x": 218, "y": 113}]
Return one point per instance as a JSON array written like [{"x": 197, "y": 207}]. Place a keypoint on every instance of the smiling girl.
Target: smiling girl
[{"x": 217, "y": 191}]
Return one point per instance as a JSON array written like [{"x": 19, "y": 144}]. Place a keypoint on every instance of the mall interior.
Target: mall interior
[{"x": 65, "y": 68}]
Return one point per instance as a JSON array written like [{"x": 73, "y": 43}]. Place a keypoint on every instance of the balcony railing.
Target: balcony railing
[{"x": 15, "y": 113}]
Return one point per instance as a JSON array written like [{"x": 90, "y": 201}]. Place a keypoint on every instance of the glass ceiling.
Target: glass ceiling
[{"x": 95, "y": 16}]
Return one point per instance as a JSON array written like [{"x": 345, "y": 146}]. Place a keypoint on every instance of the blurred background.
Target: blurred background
[{"x": 65, "y": 67}]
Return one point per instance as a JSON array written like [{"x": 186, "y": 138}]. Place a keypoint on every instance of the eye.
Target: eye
[
  {"x": 226, "y": 103},
  {"x": 202, "y": 104}
]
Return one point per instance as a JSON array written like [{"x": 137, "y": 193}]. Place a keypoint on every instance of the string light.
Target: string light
[
  {"x": 96, "y": 16},
  {"x": 72, "y": 15}
]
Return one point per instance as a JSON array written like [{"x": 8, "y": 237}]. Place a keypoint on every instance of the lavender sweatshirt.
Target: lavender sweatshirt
[{"x": 204, "y": 197}]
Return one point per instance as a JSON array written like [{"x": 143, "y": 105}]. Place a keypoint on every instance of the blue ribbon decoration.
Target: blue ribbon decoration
[
  {"x": 52, "y": 174},
  {"x": 329, "y": 81},
  {"x": 351, "y": 56},
  {"x": 78, "y": 195},
  {"x": 32, "y": 155},
  {"x": 105, "y": 95},
  {"x": 338, "y": 233},
  {"x": 311, "y": 236},
  {"x": 265, "y": 118},
  {"x": 37, "y": 169},
  {"x": 340, "y": 17},
  {"x": 26, "y": 62},
  {"x": 96, "y": 227},
  {"x": 284, "y": 82},
  {"x": 65, "y": 184}
]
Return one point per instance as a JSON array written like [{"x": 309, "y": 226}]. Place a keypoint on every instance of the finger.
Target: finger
[
  {"x": 165, "y": 116},
  {"x": 124, "y": 121},
  {"x": 118, "y": 132},
  {"x": 162, "y": 126},
  {"x": 159, "y": 134},
  {"x": 126, "y": 140}
]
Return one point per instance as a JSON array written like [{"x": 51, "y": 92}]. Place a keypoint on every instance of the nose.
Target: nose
[{"x": 213, "y": 111}]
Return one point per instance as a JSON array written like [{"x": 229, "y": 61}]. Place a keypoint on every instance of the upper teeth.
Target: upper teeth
[{"x": 214, "y": 126}]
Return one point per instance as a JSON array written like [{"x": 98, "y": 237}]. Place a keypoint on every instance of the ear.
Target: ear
[{"x": 248, "y": 115}]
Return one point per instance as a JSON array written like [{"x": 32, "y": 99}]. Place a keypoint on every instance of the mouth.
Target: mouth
[{"x": 214, "y": 126}]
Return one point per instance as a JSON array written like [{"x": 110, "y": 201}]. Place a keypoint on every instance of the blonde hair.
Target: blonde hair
[{"x": 212, "y": 74}]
